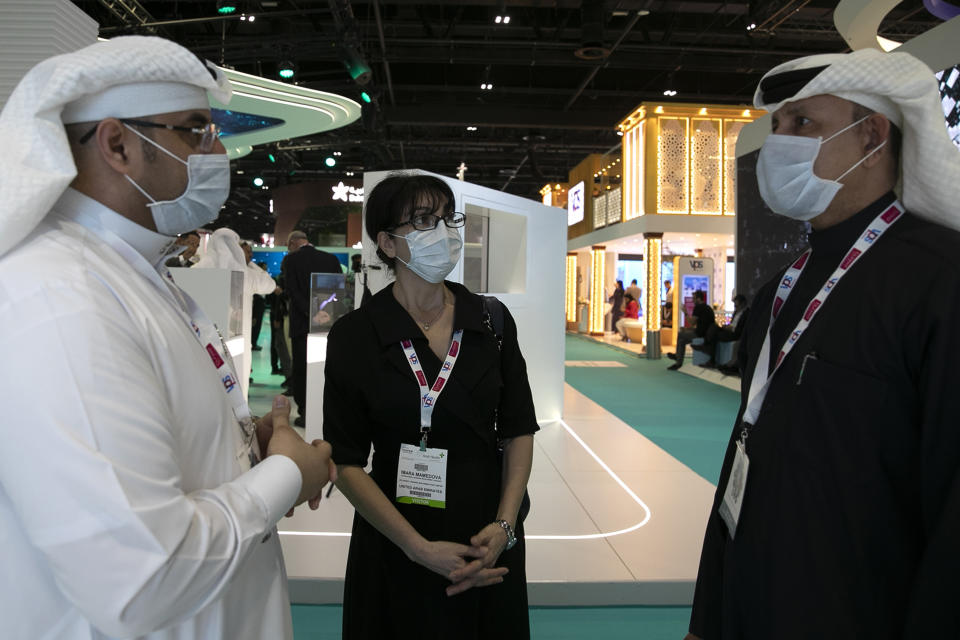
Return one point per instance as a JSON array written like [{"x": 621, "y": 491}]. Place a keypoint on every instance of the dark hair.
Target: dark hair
[
  {"x": 742, "y": 299},
  {"x": 628, "y": 296},
  {"x": 620, "y": 284},
  {"x": 394, "y": 200},
  {"x": 699, "y": 294}
]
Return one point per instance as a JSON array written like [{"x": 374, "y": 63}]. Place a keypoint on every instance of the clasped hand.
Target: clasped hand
[
  {"x": 275, "y": 436},
  {"x": 467, "y": 566}
]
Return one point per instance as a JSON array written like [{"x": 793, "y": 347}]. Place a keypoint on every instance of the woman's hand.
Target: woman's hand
[
  {"x": 488, "y": 545},
  {"x": 446, "y": 558}
]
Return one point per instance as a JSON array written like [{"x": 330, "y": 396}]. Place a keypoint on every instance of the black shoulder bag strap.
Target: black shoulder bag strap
[{"x": 493, "y": 322}]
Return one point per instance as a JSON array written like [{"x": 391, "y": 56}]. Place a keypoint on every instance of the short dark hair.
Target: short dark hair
[
  {"x": 634, "y": 281},
  {"x": 394, "y": 200},
  {"x": 742, "y": 299},
  {"x": 700, "y": 294}
]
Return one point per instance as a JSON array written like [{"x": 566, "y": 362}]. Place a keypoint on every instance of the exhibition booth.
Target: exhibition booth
[{"x": 667, "y": 200}]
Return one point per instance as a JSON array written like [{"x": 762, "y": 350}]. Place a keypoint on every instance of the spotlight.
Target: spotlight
[
  {"x": 271, "y": 158},
  {"x": 258, "y": 181},
  {"x": 330, "y": 161},
  {"x": 471, "y": 128},
  {"x": 286, "y": 69},
  {"x": 225, "y": 7},
  {"x": 498, "y": 19},
  {"x": 751, "y": 26},
  {"x": 506, "y": 19},
  {"x": 365, "y": 97}
]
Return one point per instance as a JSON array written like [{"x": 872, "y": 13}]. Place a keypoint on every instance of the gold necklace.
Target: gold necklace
[{"x": 426, "y": 325}]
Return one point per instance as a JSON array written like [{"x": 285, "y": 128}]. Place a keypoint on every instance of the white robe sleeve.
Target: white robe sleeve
[
  {"x": 261, "y": 281},
  {"x": 91, "y": 462}
]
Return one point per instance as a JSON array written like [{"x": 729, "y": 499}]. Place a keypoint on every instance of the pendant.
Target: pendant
[{"x": 426, "y": 327}]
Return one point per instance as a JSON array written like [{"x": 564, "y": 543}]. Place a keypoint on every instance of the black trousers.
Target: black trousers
[
  {"x": 684, "y": 337},
  {"x": 259, "y": 305},
  {"x": 279, "y": 354},
  {"x": 298, "y": 371}
]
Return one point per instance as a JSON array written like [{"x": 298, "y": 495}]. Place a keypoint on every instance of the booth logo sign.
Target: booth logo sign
[
  {"x": 347, "y": 193},
  {"x": 696, "y": 264}
]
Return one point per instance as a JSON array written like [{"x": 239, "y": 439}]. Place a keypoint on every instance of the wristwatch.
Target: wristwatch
[{"x": 511, "y": 538}]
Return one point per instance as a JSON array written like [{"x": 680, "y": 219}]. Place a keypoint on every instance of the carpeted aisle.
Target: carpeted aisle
[
  {"x": 322, "y": 622},
  {"x": 689, "y": 418}
]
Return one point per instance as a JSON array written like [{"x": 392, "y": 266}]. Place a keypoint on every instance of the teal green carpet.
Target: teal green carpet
[
  {"x": 322, "y": 622},
  {"x": 689, "y": 418}
]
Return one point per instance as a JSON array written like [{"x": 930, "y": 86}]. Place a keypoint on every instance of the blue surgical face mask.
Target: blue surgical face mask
[
  {"x": 434, "y": 252},
  {"x": 786, "y": 179},
  {"x": 208, "y": 185}
]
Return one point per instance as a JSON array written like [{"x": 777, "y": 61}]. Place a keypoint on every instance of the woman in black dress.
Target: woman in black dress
[{"x": 437, "y": 548}]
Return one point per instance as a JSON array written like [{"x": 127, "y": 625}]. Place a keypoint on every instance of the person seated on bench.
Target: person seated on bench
[
  {"x": 728, "y": 333},
  {"x": 631, "y": 313},
  {"x": 705, "y": 320}
]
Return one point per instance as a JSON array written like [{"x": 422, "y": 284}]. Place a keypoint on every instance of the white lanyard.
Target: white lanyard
[
  {"x": 429, "y": 394},
  {"x": 760, "y": 383},
  {"x": 203, "y": 329}
]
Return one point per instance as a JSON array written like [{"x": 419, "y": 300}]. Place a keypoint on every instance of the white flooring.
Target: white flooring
[{"x": 615, "y": 520}]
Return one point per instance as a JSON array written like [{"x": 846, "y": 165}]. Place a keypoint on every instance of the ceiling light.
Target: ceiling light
[
  {"x": 286, "y": 69},
  {"x": 751, "y": 26},
  {"x": 670, "y": 92},
  {"x": 506, "y": 19},
  {"x": 337, "y": 153},
  {"x": 365, "y": 97},
  {"x": 330, "y": 161},
  {"x": 498, "y": 19},
  {"x": 471, "y": 128},
  {"x": 258, "y": 181},
  {"x": 251, "y": 18},
  {"x": 226, "y": 7},
  {"x": 271, "y": 157}
]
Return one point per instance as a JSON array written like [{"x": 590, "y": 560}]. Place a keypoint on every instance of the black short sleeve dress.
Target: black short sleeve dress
[{"x": 372, "y": 397}]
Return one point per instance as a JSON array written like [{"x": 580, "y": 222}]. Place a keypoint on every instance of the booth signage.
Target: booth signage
[
  {"x": 347, "y": 193},
  {"x": 575, "y": 204}
]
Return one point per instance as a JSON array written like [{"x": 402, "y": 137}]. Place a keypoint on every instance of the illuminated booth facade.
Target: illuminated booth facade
[{"x": 674, "y": 179}]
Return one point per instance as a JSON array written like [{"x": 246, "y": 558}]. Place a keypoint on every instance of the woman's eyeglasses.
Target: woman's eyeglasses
[
  {"x": 429, "y": 221},
  {"x": 207, "y": 135}
]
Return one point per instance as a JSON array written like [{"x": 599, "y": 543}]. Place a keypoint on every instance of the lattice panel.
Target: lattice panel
[
  {"x": 614, "y": 206},
  {"x": 600, "y": 211},
  {"x": 731, "y": 130},
  {"x": 706, "y": 185},
  {"x": 672, "y": 166}
]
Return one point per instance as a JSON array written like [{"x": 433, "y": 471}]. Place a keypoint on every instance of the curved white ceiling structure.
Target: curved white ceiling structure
[{"x": 303, "y": 111}]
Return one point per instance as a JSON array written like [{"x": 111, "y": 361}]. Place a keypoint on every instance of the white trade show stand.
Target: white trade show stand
[
  {"x": 514, "y": 249},
  {"x": 220, "y": 294}
]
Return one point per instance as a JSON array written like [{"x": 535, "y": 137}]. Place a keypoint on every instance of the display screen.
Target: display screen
[
  {"x": 327, "y": 300},
  {"x": 950, "y": 100},
  {"x": 272, "y": 259},
  {"x": 688, "y": 286},
  {"x": 233, "y": 122}
]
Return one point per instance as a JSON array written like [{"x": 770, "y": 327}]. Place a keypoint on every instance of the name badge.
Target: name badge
[
  {"x": 422, "y": 476},
  {"x": 736, "y": 485}
]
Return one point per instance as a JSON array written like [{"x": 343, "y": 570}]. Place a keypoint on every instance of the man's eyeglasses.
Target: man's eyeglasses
[
  {"x": 207, "y": 135},
  {"x": 428, "y": 221}
]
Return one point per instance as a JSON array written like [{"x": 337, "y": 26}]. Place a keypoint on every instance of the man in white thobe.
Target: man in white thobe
[{"x": 138, "y": 497}]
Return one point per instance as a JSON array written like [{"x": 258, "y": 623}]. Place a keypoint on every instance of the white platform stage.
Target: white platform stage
[{"x": 615, "y": 520}]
